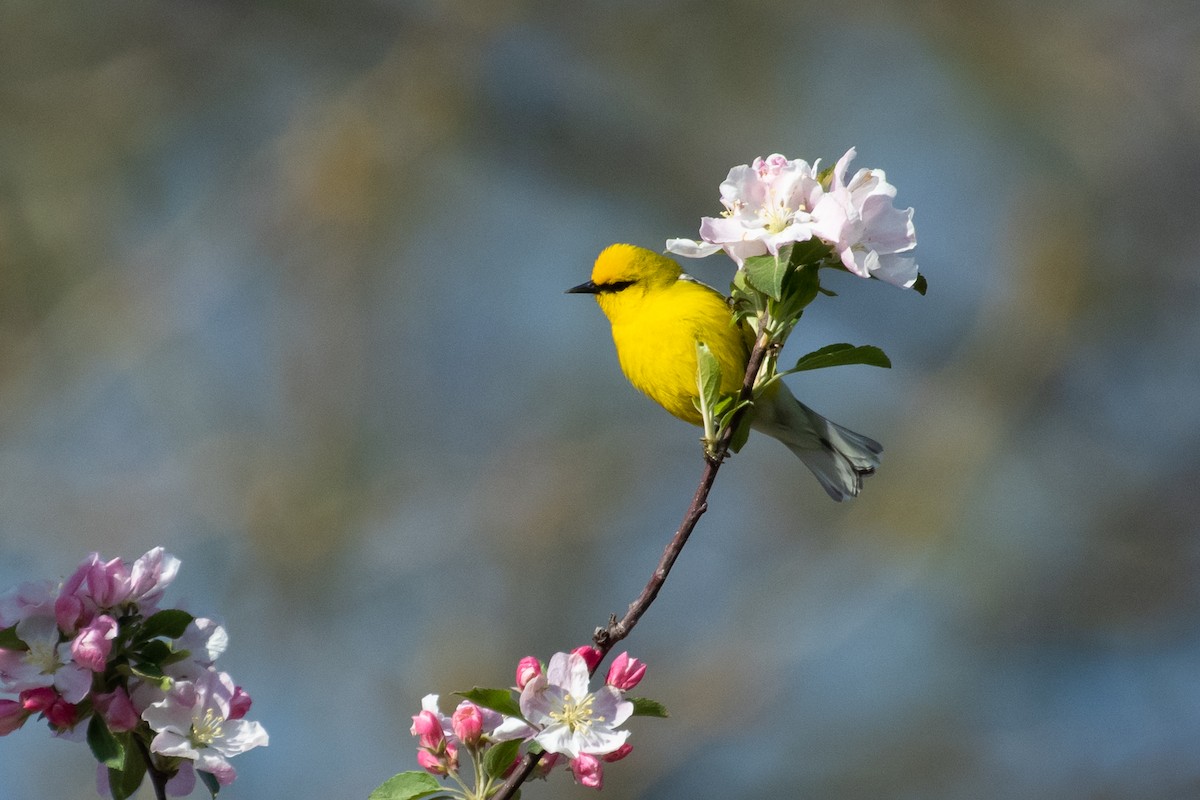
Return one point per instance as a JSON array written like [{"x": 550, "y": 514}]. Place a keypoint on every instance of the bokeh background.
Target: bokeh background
[{"x": 281, "y": 289}]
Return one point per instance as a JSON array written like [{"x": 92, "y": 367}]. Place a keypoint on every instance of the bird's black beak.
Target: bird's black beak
[{"x": 584, "y": 288}]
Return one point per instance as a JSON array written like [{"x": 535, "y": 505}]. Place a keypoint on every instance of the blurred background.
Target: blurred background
[{"x": 281, "y": 289}]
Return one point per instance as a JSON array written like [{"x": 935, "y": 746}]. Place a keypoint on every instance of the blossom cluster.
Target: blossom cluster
[
  {"x": 776, "y": 201},
  {"x": 551, "y": 711},
  {"x": 97, "y": 648}
]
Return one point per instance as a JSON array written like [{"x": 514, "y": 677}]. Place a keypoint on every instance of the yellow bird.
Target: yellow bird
[{"x": 658, "y": 314}]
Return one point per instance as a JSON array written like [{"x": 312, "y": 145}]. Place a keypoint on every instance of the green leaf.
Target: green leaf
[
  {"x": 800, "y": 288},
  {"x": 501, "y": 700},
  {"x": 105, "y": 747},
  {"x": 810, "y": 252},
  {"x": 407, "y": 786},
  {"x": 838, "y": 355},
  {"x": 155, "y": 652},
  {"x": 921, "y": 286},
  {"x": 123, "y": 783},
  {"x": 643, "y": 707},
  {"x": 765, "y": 273},
  {"x": 175, "y": 657},
  {"x": 150, "y": 672},
  {"x": 500, "y": 757},
  {"x": 741, "y": 434},
  {"x": 10, "y": 641},
  {"x": 170, "y": 623},
  {"x": 210, "y": 782},
  {"x": 708, "y": 371}
]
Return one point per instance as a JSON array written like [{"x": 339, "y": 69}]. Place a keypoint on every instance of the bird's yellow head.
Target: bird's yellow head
[{"x": 625, "y": 271}]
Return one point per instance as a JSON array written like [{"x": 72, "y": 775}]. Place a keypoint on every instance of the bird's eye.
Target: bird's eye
[{"x": 615, "y": 286}]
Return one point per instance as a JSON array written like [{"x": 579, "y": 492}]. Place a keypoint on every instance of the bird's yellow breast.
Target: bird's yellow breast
[{"x": 656, "y": 331}]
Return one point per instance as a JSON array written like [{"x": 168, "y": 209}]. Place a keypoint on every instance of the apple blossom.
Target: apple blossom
[
  {"x": 868, "y": 234},
  {"x": 46, "y": 663},
  {"x": 33, "y": 598},
  {"x": 570, "y": 719},
  {"x": 89, "y": 645},
  {"x": 192, "y": 722},
  {"x": 776, "y": 201},
  {"x": 768, "y": 204}
]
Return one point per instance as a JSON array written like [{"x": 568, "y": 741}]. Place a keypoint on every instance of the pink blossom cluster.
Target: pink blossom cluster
[
  {"x": 776, "y": 201},
  {"x": 555, "y": 710},
  {"x": 97, "y": 648}
]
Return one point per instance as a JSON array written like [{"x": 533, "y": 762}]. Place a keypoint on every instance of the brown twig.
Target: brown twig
[{"x": 606, "y": 638}]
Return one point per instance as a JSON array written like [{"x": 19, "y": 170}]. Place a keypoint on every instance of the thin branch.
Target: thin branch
[{"x": 607, "y": 637}]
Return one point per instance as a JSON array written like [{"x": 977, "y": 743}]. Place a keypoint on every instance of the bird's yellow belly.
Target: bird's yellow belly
[{"x": 659, "y": 358}]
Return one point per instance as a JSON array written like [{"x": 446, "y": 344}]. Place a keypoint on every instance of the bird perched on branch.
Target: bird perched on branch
[{"x": 658, "y": 314}]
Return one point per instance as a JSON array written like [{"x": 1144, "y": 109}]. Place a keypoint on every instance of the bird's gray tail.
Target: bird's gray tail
[{"x": 839, "y": 457}]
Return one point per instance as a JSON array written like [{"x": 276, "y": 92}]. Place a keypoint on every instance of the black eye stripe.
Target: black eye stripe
[{"x": 615, "y": 286}]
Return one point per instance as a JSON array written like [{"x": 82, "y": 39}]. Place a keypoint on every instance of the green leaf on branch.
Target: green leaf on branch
[
  {"x": 741, "y": 434},
  {"x": 10, "y": 641},
  {"x": 921, "y": 286},
  {"x": 407, "y": 786},
  {"x": 170, "y": 623},
  {"x": 766, "y": 273},
  {"x": 105, "y": 747},
  {"x": 500, "y": 757},
  {"x": 840, "y": 355},
  {"x": 501, "y": 700},
  {"x": 643, "y": 707},
  {"x": 708, "y": 377}
]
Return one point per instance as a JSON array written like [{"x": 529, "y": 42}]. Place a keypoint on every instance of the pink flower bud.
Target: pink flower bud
[
  {"x": 91, "y": 647},
  {"x": 239, "y": 704},
  {"x": 39, "y": 699},
  {"x": 12, "y": 716},
  {"x": 468, "y": 723},
  {"x": 442, "y": 763},
  {"x": 108, "y": 582},
  {"x": 587, "y": 771},
  {"x": 528, "y": 668},
  {"x": 117, "y": 710},
  {"x": 590, "y": 654},
  {"x": 69, "y": 610},
  {"x": 625, "y": 672},
  {"x": 430, "y": 763},
  {"x": 427, "y": 726},
  {"x": 618, "y": 754},
  {"x": 58, "y": 712}
]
